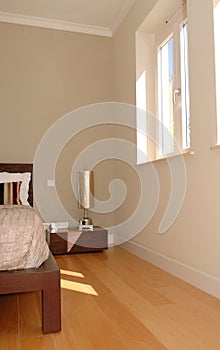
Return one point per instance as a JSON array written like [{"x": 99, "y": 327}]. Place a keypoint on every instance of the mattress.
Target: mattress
[{"x": 22, "y": 238}]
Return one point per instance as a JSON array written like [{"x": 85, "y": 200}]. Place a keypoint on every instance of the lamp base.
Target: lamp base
[{"x": 86, "y": 221}]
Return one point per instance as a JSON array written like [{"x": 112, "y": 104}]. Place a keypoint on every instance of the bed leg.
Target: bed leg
[{"x": 51, "y": 303}]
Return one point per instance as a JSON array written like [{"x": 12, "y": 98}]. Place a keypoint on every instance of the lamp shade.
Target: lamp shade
[{"x": 85, "y": 189}]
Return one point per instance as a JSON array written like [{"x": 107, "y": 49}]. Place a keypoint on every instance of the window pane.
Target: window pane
[
  {"x": 217, "y": 64},
  {"x": 165, "y": 97},
  {"x": 185, "y": 87}
]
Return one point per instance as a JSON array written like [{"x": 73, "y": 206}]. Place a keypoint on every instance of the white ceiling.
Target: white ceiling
[{"x": 100, "y": 17}]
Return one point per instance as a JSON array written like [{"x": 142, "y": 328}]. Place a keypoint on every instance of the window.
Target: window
[
  {"x": 165, "y": 97},
  {"x": 185, "y": 86},
  {"x": 162, "y": 82},
  {"x": 173, "y": 90},
  {"x": 217, "y": 62}
]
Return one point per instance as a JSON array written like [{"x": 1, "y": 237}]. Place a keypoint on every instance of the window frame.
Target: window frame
[
  {"x": 161, "y": 122},
  {"x": 185, "y": 87},
  {"x": 172, "y": 29},
  {"x": 217, "y": 68}
]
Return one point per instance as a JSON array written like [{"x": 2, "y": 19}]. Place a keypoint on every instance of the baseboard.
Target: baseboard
[{"x": 208, "y": 283}]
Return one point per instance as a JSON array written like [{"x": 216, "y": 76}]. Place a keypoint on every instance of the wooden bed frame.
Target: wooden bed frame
[{"x": 45, "y": 278}]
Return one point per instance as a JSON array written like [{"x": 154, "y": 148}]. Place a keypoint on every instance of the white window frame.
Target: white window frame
[
  {"x": 216, "y": 15},
  {"x": 165, "y": 142},
  {"x": 173, "y": 29},
  {"x": 185, "y": 87}
]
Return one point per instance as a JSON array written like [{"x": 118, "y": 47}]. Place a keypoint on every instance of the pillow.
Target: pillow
[
  {"x": 10, "y": 193},
  {"x": 23, "y": 179}
]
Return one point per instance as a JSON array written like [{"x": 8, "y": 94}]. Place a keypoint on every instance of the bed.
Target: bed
[{"x": 45, "y": 278}]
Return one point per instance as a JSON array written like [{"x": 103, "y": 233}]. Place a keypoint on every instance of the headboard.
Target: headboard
[{"x": 20, "y": 168}]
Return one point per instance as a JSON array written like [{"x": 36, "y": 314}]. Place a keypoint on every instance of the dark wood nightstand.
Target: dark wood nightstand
[{"x": 74, "y": 240}]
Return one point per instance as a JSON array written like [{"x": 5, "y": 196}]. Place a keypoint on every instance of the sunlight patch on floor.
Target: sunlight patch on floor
[
  {"x": 72, "y": 273},
  {"x": 78, "y": 287}
]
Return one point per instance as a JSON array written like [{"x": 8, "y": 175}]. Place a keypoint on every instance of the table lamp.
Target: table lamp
[{"x": 85, "y": 197}]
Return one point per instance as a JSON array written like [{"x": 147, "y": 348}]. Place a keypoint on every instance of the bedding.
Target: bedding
[{"x": 22, "y": 238}]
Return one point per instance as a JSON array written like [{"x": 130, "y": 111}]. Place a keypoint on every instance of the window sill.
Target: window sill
[
  {"x": 171, "y": 155},
  {"x": 214, "y": 148}
]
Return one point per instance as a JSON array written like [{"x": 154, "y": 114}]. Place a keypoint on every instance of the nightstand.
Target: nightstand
[{"x": 74, "y": 240}]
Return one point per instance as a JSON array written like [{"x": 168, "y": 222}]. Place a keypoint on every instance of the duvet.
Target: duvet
[{"x": 22, "y": 238}]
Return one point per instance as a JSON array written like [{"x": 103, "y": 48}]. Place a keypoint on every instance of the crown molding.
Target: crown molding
[
  {"x": 54, "y": 24},
  {"x": 121, "y": 16}
]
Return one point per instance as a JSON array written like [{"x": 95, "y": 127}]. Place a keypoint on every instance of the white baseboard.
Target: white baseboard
[
  {"x": 208, "y": 283},
  {"x": 110, "y": 239}
]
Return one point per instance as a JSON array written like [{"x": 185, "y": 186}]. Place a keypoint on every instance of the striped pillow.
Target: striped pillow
[
  {"x": 14, "y": 188},
  {"x": 10, "y": 193}
]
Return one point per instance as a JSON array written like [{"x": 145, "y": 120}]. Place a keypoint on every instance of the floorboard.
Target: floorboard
[{"x": 114, "y": 301}]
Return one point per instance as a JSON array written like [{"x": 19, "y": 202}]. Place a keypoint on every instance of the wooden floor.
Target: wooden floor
[{"x": 114, "y": 301}]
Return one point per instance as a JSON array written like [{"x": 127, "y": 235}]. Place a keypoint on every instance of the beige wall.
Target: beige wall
[
  {"x": 194, "y": 238},
  {"x": 124, "y": 51},
  {"x": 45, "y": 74}
]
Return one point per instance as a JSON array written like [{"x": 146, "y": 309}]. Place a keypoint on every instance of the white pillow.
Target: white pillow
[{"x": 16, "y": 177}]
